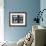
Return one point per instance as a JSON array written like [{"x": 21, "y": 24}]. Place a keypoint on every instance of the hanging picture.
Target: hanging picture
[{"x": 17, "y": 18}]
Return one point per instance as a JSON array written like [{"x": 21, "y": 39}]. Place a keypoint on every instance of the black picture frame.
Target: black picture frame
[{"x": 17, "y": 19}]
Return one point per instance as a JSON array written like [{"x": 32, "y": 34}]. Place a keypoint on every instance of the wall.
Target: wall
[
  {"x": 43, "y": 6},
  {"x": 30, "y": 6}
]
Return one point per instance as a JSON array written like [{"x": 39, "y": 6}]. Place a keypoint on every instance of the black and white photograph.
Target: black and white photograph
[{"x": 17, "y": 18}]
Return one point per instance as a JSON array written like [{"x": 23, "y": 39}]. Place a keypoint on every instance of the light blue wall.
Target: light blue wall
[
  {"x": 43, "y": 6},
  {"x": 30, "y": 6}
]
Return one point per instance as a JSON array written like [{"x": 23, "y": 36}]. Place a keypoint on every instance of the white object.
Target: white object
[
  {"x": 20, "y": 42},
  {"x": 1, "y": 21}
]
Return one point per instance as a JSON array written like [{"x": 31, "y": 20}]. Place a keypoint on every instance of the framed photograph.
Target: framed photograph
[{"x": 17, "y": 18}]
